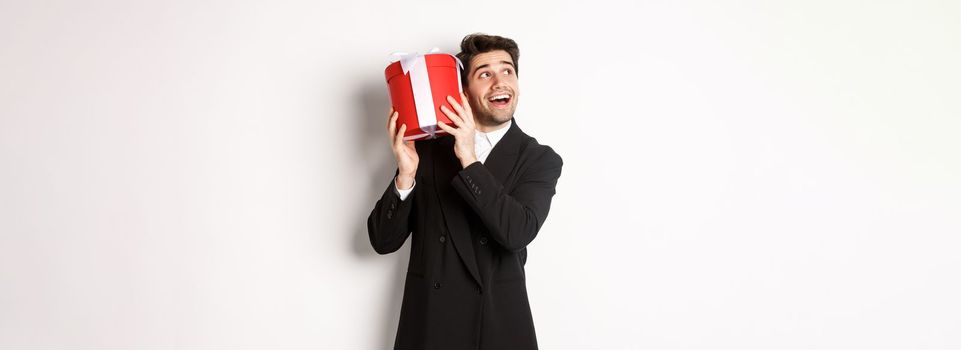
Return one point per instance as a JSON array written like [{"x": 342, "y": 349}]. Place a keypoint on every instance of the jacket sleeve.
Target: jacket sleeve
[
  {"x": 513, "y": 219},
  {"x": 389, "y": 222}
]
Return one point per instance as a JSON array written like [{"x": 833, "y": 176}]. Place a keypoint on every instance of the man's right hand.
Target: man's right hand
[{"x": 404, "y": 152}]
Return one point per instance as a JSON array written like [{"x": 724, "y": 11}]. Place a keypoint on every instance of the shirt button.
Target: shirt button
[
  {"x": 436, "y": 285},
  {"x": 443, "y": 239}
]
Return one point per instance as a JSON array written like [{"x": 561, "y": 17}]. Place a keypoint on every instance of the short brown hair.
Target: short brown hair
[{"x": 478, "y": 43}]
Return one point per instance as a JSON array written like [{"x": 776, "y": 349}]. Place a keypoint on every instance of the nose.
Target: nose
[{"x": 498, "y": 82}]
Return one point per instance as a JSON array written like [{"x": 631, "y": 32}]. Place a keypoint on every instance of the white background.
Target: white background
[{"x": 740, "y": 175}]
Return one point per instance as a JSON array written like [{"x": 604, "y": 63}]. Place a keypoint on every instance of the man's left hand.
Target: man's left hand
[{"x": 464, "y": 132}]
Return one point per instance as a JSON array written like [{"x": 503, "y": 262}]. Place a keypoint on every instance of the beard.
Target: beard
[{"x": 493, "y": 117}]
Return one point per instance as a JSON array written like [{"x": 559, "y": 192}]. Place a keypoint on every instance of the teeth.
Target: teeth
[{"x": 498, "y": 97}]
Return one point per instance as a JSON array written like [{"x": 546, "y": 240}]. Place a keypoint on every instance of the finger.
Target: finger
[
  {"x": 391, "y": 126},
  {"x": 399, "y": 138},
  {"x": 456, "y": 105},
  {"x": 466, "y": 105},
  {"x": 465, "y": 117},
  {"x": 468, "y": 112},
  {"x": 453, "y": 117},
  {"x": 449, "y": 129}
]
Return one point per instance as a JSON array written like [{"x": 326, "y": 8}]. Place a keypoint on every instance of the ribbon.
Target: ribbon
[{"x": 415, "y": 64}]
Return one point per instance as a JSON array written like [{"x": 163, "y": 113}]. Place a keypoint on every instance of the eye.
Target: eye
[
  {"x": 508, "y": 71},
  {"x": 485, "y": 75}
]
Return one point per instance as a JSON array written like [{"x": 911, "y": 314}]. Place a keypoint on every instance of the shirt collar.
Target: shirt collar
[{"x": 494, "y": 136}]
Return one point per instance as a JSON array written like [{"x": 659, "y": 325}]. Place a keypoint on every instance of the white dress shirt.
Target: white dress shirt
[{"x": 483, "y": 144}]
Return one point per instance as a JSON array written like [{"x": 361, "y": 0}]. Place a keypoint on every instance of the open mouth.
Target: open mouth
[{"x": 501, "y": 100}]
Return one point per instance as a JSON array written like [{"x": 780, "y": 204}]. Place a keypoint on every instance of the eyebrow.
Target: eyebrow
[{"x": 488, "y": 65}]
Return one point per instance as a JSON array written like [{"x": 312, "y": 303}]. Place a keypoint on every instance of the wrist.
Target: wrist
[
  {"x": 404, "y": 182},
  {"x": 468, "y": 161}
]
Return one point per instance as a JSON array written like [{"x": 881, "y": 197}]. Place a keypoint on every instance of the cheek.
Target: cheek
[
  {"x": 475, "y": 91},
  {"x": 475, "y": 97}
]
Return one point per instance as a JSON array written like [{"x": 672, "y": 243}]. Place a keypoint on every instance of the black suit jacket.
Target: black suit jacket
[{"x": 466, "y": 286}]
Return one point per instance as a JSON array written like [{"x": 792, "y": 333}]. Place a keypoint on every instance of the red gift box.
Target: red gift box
[{"x": 419, "y": 85}]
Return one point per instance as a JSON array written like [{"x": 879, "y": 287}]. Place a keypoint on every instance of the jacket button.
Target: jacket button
[
  {"x": 390, "y": 213},
  {"x": 480, "y": 291},
  {"x": 436, "y": 285},
  {"x": 483, "y": 240},
  {"x": 393, "y": 205},
  {"x": 443, "y": 239}
]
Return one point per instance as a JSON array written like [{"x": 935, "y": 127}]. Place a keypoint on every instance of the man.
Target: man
[{"x": 472, "y": 200}]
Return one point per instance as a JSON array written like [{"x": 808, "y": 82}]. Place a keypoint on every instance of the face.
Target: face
[{"x": 492, "y": 88}]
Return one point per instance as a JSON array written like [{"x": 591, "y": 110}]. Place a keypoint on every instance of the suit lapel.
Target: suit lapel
[
  {"x": 503, "y": 157},
  {"x": 500, "y": 162},
  {"x": 453, "y": 207}
]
